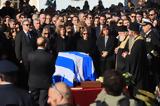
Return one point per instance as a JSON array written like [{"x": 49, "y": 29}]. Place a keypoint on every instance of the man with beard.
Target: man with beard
[
  {"x": 122, "y": 40},
  {"x": 136, "y": 59}
]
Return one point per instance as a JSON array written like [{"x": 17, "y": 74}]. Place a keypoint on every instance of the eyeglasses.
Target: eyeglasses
[
  {"x": 133, "y": 16},
  {"x": 120, "y": 22},
  {"x": 81, "y": 27},
  {"x": 46, "y": 33},
  {"x": 85, "y": 33},
  {"x": 90, "y": 17},
  {"x": 27, "y": 24},
  {"x": 151, "y": 14}
]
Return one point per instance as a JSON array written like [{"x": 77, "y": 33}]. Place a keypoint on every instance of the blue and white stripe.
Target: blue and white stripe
[{"x": 73, "y": 65}]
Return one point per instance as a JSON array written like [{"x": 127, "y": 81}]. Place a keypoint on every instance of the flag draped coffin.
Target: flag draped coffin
[{"x": 73, "y": 66}]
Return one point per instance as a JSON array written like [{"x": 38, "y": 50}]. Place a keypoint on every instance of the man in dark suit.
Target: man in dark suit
[
  {"x": 24, "y": 44},
  {"x": 41, "y": 66},
  {"x": 102, "y": 21},
  {"x": 10, "y": 95},
  {"x": 36, "y": 29}
]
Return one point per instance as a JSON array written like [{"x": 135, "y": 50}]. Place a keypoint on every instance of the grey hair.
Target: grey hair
[
  {"x": 25, "y": 20},
  {"x": 36, "y": 19},
  {"x": 35, "y": 16}
]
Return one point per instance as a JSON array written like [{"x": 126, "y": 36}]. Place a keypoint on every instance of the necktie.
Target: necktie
[{"x": 28, "y": 35}]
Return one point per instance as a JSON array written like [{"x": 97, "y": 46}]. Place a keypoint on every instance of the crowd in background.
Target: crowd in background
[{"x": 101, "y": 32}]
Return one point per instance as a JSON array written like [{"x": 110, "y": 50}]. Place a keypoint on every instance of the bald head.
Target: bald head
[
  {"x": 59, "y": 94},
  {"x": 41, "y": 42},
  {"x": 62, "y": 87}
]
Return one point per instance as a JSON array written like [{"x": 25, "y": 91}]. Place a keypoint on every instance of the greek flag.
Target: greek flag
[{"x": 73, "y": 66}]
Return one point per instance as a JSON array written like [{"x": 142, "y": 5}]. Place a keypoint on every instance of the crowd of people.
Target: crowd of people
[{"x": 124, "y": 38}]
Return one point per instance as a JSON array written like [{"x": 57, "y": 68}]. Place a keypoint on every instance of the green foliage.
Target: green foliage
[
  {"x": 147, "y": 97},
  {"x": 128, "y": 78}
]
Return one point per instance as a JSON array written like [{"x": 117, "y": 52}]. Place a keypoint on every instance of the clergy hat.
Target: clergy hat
[
  {"x": 122, "y": 28},
  {"x": 134, "y": 27},
  {"x": 146, "y": 22},
  {"x": 7, "y": 66}
]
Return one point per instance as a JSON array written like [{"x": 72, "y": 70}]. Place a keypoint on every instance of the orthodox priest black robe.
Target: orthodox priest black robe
[
  {"x": 137, "y": 64},
  {"x": 121, "y": 64}
]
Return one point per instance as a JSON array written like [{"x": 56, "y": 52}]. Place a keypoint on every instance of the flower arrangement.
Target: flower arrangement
[{"x": 128, "y": 78}]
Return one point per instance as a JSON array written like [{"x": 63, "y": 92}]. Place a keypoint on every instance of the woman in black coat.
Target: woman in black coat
[
  {"x": 84, "y": 43},
  {"x": 106, "y": 45},
  {"x": 61, "y": 40}
]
